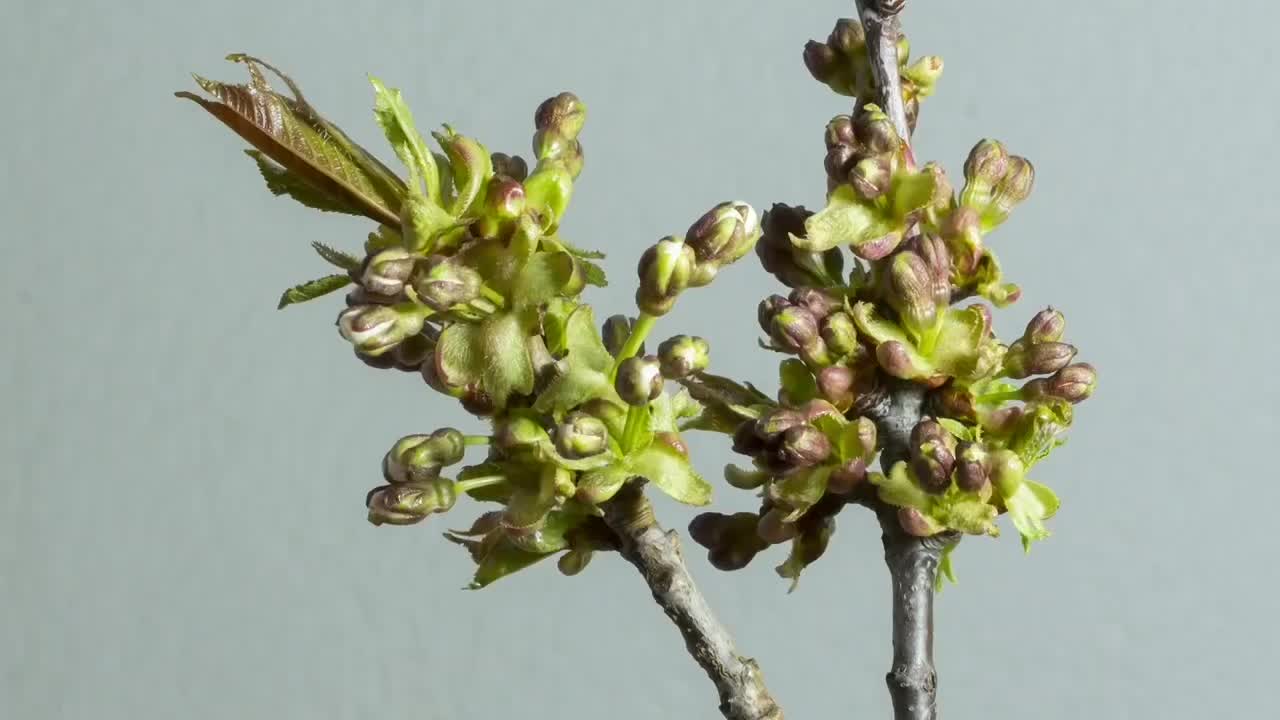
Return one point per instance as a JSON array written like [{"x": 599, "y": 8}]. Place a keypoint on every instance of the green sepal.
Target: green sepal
[{"x": 312, "y": 290}]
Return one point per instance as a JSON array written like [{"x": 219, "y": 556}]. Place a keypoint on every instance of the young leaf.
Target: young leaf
[
  {"x": 542, "y": 278},
  {"x": 335, "y": 257},
  {"x": 668, "y": 410},
  {"x": 313, "y": 150},
  {"x": 282, "y": 182},
  {"x": 593, "y": 273},
  {"x": 806, "y": 548},
  {"x": 312, "y": 290},
  {"x": 958, "y": 429},
  {"x": 393, "y": 116},
  {"x": 500, "y": 559},
  {"x": 507, "y": 368},
  {"x": 665, "y": 467}
]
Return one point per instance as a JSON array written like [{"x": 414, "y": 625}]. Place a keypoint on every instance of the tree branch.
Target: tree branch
[
  {"x": 656, "y": 554},
  {"x": 913, "y": 562}
]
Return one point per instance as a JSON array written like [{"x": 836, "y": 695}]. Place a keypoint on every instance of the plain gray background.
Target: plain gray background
[{"x": 183, "y": 468}]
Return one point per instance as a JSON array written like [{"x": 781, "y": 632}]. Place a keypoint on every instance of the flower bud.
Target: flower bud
[
  {"x": 504, "y": 200},
  {"x": 971, "y": 467},
  {"x": 774, "y": 423},
  {"x": 443, "y": 282},
  {"x": 768, "y": 308},
  {"x": 956, "y": 402},
  {"x": 773, "y": 530},
  {"x": 794, "y": 329},
  {"x": 683, "y": 355},
  {"x": 410, "y": 354},
  {"x": 840, "y": 334},
  {"x": 846, "y": 478},
  {"x": 1048, "y": 325},
  {"x": 724, "y": 233},
  {"x": 871, "y": 177},
  {"x": 614, "y": 417},
  {"x": 615, "y": 331},
  {"x": 791, "y": 266},
  {"x": 375, "y": 329},
  {"x": 987, "y": 163},
  {"x": 581, "y": 435},
  {"x": 847, "y": 37},
  {"x": 639, "y": 380},
  {"x": 573, "y": 562},
  {"x": 917, "y": 524},
  {"x": 1015, "y": 186},
  {"x": 1024, "y": 360},
  {"x": 708, "y": 529},
  {"x": 519, "y": 435},
  {"x": 386, "y": 272},
  {"x": 933, "y": 250},
  {"x": 874, "y": 131},
  {"x": 744, "y": 479},
  {"x": 840, "y": 132},
  {"x": 564, "y": 112},
  {"x": 471, "y": 165},
  {"x": 409, "y": 503},
  {"x": 512, "y": 166},
  {"x": 803, "y": 446},
  {"x": 730, "y": 557},
  {"x": 821, "y": 61},
  {"x": 840, "y": 163},
  {"x": 664, "y": 270},
  {"x": 835, "y": 385},
  {"x": 911, "y": 292},
  {"x": 1073, "y": 383},
  {"x": 932, "y": 463},
  {"x": 417, "y": 458},
  {"x": 819, "y": 303},
  {"x": 895, "y": 360},
  {"x": 1007, "y": 472}
]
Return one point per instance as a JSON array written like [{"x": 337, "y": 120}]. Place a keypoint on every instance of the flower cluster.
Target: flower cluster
[
  {"x": 914, "y": 307},
  {"x": 469, "y": 283}
]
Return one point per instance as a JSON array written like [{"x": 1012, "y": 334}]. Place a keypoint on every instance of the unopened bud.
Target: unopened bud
[
  {"x": 512, "y": 166},
  {"x": 956, "y": 402},
  {"x": 1044, "y": 358},
  {"x": 971, "y": 467},
  {"x": 835, "y": 385},
  {"x": 664, "y": 270},
  {"x": 443, "y": 282},
  {"x": 794, "y": 329},
  {"x": 839, "y": 163},
  {"x": 581, "y": 435},
  {"x": 840, "y": 334},
  {"x": 504, "y": 198},
  {"x": 615, "y": 331},
  {"x": 917, "y": 524},
  {"x": 803, "y": 446},
  {"x": 871, "y": 177},
  {"x": 639, "y": 380},
  {"x": 724, "y": 233},
  {"x": 746, "y": 439},
  {"x": 987, "y": 163},
  {"x": 708, "y": 529},
  {"x": 565, "y": 112},
  {"x": 768, "y": 308},
  {"x": 894, "y": 358},
  {"x": 846, "y": 478},
  {"x": 417, "y": 458},
  {"x": 1073, "y": 383},
  {"x": 409, "y": 503},
  {"x": 1015, "y": 186},
  {"x": 819, "y": 303},
  {"x": 519, "y": 435},
  {"x": 1048, "y": 325},
  {"x": 847, "y": 37},
  {"x": 1007, "y": 472},
  {"x": 874, "y": 131},
  {"x": 774, "y": 423},
  {"x": 911, "y": 292},
  {"x": 683, "y": 355},
  {"x": 385, "y": 273},
  {"x": 573, "y": 562},
  {"x": 821, "y": 60},
  {"x": 840, "y": 132},
  {"x": 375, "y": 329}
]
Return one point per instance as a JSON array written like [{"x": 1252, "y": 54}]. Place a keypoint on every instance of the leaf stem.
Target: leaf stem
[
  {"x": 493, "y": 296},
  {"x": 996, "y": 398},
  {"x": 639, "y": 331},
  {"x": 478, "y": 482},
  {"x": 476, "y": 439},
  {"x": 636, "y": 416}
]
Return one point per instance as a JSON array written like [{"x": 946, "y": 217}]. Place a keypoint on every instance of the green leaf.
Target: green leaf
[
  {"x": 336, "y": 258},
  {"x": 666, "y": 468},
  {"x": 668, "y": 410},
  {"x": 600, "y": 485},
  {"x": 797, "y": 381},
  {"x": 899, "y": 489},
  {"x": 505, "y": 357},
  {"x": 282, "y": 182},
  {"x": 956, "y": 349},
  {"x": 459, "y": 362},
  {"x": 725, "y": 403},
  {"x": 800, "y": 491},
  {"x": 593, "y": 273},
  {"x": 383, "y": 238},
  {"x": 583, "y": 342},
  {"x": 806, "y": 548},
  {"x": 312, "y": 290},
  {"x": 542, "y": 278},
  {"x": 549, "y": 537},
  {"x": 1029, "y": 506},
  {"x": 578, "y": 252},
  {"x": 849, "y": 220},
  {"x": 502, "y": 558},
  {"x": 555, "y": 321},
  {"x": 582, "y": 374},
  {"x": 911, "y": 191},
  {"x": 499, "y": 493},
  {"x": 958, "y": 429},
  {"x": 946, "y": 568},
  {"x": 393, "y": 116},
  {"x": 290, "y": 132},
  {"x": 871, "y": 324}
]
